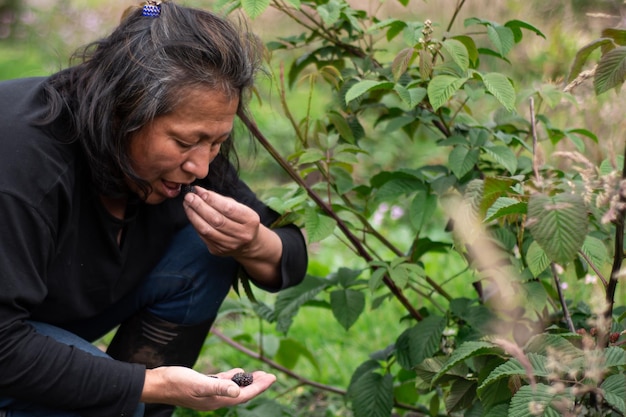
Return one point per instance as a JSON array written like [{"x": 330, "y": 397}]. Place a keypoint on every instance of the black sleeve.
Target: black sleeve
[
  {"x": 38, "y": 368},
  {"x": 294, "y": 259}
]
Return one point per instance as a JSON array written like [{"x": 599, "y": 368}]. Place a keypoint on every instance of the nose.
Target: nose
[{"x": 198, "y": 160}]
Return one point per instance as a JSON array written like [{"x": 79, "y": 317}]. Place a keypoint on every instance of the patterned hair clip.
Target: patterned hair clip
[{"x": 151, "y": 9}]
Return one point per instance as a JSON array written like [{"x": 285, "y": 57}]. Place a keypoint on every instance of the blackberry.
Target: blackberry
[
  {"x": 188, "y": 188},
  {"x": 243, "y": 379}
]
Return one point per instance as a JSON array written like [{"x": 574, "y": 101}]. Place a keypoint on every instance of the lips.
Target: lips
[{"x": 171, "y": 189}]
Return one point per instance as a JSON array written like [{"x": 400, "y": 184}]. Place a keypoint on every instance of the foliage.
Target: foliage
[{"x": 513, "y": 344}]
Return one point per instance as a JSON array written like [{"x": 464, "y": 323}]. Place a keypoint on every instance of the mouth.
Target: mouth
[{"x": 171, "y": 189}]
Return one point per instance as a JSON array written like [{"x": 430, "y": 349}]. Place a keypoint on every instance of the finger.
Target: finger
[
  {"x": 202, "y": 213},
  {"x": 221, "y": 386},
  {"x": 226, "y": 206}
]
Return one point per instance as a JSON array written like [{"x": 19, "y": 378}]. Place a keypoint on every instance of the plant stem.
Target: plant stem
[
  {"x": 356, "y": 243},
  {"x": 304, "y": 381},
  {"x": 557, "y": 283},
  {"x": 618, "y": 258}
]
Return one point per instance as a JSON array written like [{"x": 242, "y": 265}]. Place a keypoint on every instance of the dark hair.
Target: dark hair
[{"x": 141, "y": 71}]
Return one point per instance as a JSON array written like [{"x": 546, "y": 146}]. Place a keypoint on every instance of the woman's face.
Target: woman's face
[{"x": 176, "y": 148}]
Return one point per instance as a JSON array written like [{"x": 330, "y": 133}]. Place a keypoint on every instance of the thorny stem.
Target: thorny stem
[
  {"x": 356, "y": 243},
  {"x": 557, "y": 283},
  {"x": 618, "y": 258},
  {"x": 289, "y": 372}
]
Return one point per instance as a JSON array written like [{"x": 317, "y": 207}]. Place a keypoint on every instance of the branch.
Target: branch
[
  {"x": 566, "y": 314},
  {"x": 618, "y": 258},
  {"x": 594, "y": 267},
  {"x": 305, "y": 381},
  {"x": 356, "y": 243}
]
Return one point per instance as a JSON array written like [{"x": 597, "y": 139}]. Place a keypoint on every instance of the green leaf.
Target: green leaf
[
  {"x": 611, "y": 71},
  {"x": 614, "y": 357},
  {"x": 504, "y": 156},
  {"x": 311, "y": 155},
  {"x": 411, "y": 96},
  {"x": 462, "y": 160},
  {"x": 514, "y": 367},
  {"x": 347, "y": 305},
  {"x": 596, "y": 251},
  {"x": 536, "y": 402},
  {"x": 420, "y": 341},
  {"x": 342, "y": 126},
  {"x": 583, "y": 54},
  {"x": 290, "y": 351},
  {"x": 614, "y": 388},
  {"x": 461, "y": 395},
  {"x": 442, "y": 87},
  {"x": 559, "y": 224},
  {"x": 505, "y": 206},
  {"x": 318, "y": 226},
  {"x": 501, "y": 88},
  {"x": 458, "y": 52},
  {"x": 362, "y": 87},
  {"x": 329, "y": 12},
  {"x": 402, "y": 61},
  {"x": 516, "y": 25},
  {"x": 422, "y": 208},
  {"x": 289, "y": 301},
  {"x": 254, "y": 8},
  {"x": 502, "y": 38},
  {"x": 537, "y": 259},
  {"x": 465, "y": 351},
  {"x": 372, "y": 395},
  {"x": 546, "y": 344}
]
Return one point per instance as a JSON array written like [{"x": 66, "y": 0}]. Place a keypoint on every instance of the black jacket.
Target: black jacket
[{"x": 60, "y": 261}]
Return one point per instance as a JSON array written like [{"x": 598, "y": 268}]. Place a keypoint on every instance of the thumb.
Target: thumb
[{"x": 224, "y": 387}]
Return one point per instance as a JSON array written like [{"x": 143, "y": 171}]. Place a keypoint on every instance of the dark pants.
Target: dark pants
[{"x": 187, "y": 287}]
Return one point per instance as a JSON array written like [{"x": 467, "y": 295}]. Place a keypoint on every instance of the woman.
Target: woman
[{"x": 96, "y": 230}]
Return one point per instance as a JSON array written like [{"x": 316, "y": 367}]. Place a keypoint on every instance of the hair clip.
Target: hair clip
[{"x": 151, "y": 9}]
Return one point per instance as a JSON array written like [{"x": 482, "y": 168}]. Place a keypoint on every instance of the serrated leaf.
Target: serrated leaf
[
  {"x": 501, "y": 88},
  {"x": 442, "y": 87},
  {"x": 465, "y": 351},
  {"x": 347, "y": 306},
  {"x": 582, "y": 55},
  {"x": 596, "y": 251},
  {"x": 611, "y": 71},
  {"x": 559, "y": 224},
  {"x": 461, "y": 395},
  {"x": 504, "y": 206},
  {"x": 546, "y": 344},
  {"x": 514, "y": 367},
  {"x": 329, "y": 12},
  {"x": 289, "y": 301},
  {"x": 311, "y": 155},
  {"x": 420, "y": 341},
  {"x": 502, "y": 38},
  {"x": 537, "y": 259},
  {"x": 411, "y": 96},
  {"x": 503, "y": 156},
  {"x": 402, "y": 61},
  {"x": 362, "y": 87},
  {"x": 254, "y": 8},
  {"x": 372, "y": 395},
  {"x": 458, "y": 52},
  {"x": 462, "y": 160},
  {"x": 614, "y": 357},
  {"x": 614, "y": 388},
  {"x": 318, "y": 225},
  {"x": 535, "y": 401}
]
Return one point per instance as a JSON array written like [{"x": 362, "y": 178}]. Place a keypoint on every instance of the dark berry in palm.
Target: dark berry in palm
[{"x": 243, "y": 379}]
